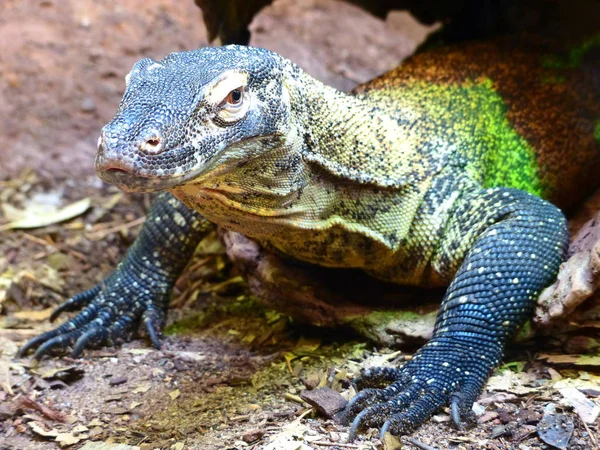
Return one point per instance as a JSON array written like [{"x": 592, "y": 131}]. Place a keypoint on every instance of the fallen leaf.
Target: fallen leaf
[
  {"x": 575, "y": 360},
  {"x": 33, "y": 217},
  {"x": 584, "y": 381},
  {"x": 142, "y": 388},
  {"x": 586, "y": 409},
  {"x": 67, "y": 439},
  {"x": 174, "y": 394},
  {"x": 108, "y": 446},
  {"x": 5, "y": 382},
  {"x": 39, "y": 429},
  {"x": 556, "y": 430},
  {"x": 33, "y": 315},
  {"x": 391, "y": 442},
  {"x": 80, "y": 429},
  {"x": 305, "y": 345},
  {"x": 510, "y": 381},
  {"x": 326, "y": 400},
  {"x": 50, "y": 413},
  {"x": 63, "y": 373}
]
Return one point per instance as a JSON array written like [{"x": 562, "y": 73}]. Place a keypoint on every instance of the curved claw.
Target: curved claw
[
  {"x": 34, "y": 342},
  {"x": 362, "y": 400},
  {"x": 455, "y": 411},
  {"x": 76, "y": 302},
  {"x": 94, "y": 333},
  {"x": 152, "y": 319},
  {"x": 153, "y": 334},
  {"x": 60, "y": 340},
  {"x": 356, "y": 425},
  {"x": 384, "y": 429}
]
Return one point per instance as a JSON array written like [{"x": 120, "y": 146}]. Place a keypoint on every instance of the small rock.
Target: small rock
[
  {"x": 117, "y": 381},
  {"x": 500, "y": 430},
  {"x": 327, "y": 401},
  {"x": 528, "y": 416},
  {"x": 88, "y": 105},
  {"x": 490, "y": 415},
  {"x": 252, "y": 435},
  {"x": 505, "y": 416},
  {"x": 7, "y": 410}
]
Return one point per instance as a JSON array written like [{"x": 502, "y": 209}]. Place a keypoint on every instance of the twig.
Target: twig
[
  {"x": 101, "y": 234},
  {"x": 420, "y": 444},
  {"x": 54, "y": 248},
  {"x": 50, "y": 413},
  {"x": 334, "y": 444},
  {"x": 592, "y": 437},
  {"x": 38, "y": 240}
]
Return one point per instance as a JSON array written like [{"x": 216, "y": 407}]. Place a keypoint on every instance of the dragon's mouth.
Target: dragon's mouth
[{"x": 129, "y": 179}]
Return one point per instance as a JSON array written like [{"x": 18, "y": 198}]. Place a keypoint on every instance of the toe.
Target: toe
[
  {"x": 60, "y": 341},
  {"x": 153, "y": 319},
  {"x": 93, "y": 337},
  {"x": 377, "y": 377},
  {"x": 76, "y": 302},
  {"x": 376, "y": 415},
  {"x": 401, "y": 422}
]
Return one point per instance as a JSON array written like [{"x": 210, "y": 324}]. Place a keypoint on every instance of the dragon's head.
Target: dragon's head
[{"x": 179, "y": 115}]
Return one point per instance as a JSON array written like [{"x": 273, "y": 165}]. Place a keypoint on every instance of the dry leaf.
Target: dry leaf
[
  {"x": 142, "y": 388},
  {"x": 107, "y": 446},
  {"x": 34, "y": 217},
  {"x": 510, "y": 381},
  {"x": 51, "y": 372},
  {"x": 586, "y": 409},
  {"x": 67, "y": 439},
  {"x": 305, "y": 345},
  {"x": 575, "y": 360},
  {"x": 39, "y": 429},
  {"x": 33, "y": 315},
  {"x": 80, "y": 429}
]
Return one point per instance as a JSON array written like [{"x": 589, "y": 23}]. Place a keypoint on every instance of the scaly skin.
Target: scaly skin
[{"x": 426, "y": 176}]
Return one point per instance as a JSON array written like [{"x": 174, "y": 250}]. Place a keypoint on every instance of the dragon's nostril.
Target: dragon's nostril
[{"x": 152, "y": 144}]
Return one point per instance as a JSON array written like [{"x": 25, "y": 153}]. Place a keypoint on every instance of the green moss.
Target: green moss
[
  {"x": 525, "y": 332},
  {"x": 376, "y": 325},
  {"x": 574, "y": 57},
  {"x": 597, "y": 131},
  {"x": 553, "y": 79},
  {"x": 244, "y": 307},
  {"x": 576, "y": 54}
]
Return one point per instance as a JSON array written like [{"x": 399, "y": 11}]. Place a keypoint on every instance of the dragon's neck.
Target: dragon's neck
[{"x": 357, "y": 137}]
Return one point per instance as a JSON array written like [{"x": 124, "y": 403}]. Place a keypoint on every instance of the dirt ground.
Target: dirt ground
[{"x": 231, "y": 372}]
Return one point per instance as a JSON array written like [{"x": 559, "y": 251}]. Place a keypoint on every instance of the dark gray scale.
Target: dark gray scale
[{"x": 138, "y": 290}]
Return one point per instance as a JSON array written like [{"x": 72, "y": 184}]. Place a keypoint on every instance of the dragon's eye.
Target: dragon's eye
[
  {"x": 234, "y": 106},
  {"x": 234, "y": 97}
]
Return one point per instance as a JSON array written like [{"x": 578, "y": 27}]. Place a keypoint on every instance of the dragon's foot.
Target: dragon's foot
[
  {"x": 111, "y": 313},
  {"x": 398, "y": 400}
]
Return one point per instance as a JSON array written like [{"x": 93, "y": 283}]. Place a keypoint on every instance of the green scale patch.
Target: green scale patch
[{"x": 473, "y": 117}]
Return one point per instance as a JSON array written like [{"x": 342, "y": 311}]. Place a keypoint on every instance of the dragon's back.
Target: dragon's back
[{"x": 514, "y": 111}]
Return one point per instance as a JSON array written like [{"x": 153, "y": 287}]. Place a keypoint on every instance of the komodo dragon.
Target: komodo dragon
[{"x": 431, "y": 175}]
